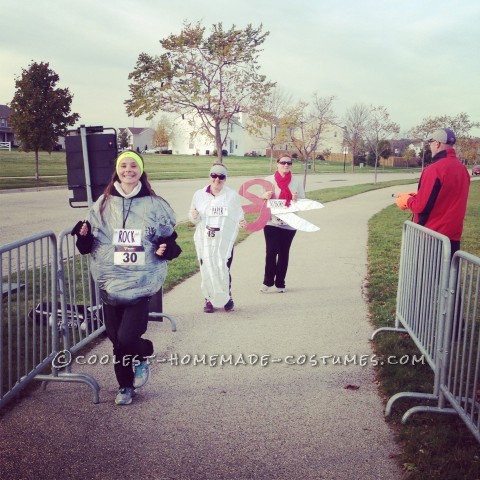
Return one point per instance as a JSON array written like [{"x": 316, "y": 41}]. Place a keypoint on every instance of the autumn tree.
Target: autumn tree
[
  {"x": 208, "y": 78},
  {"x": 460, "y": 124},
  {"x": 164, "y": 132},
  {"x": 379, "y": 129},
  {"x": 40, "y": 112}
]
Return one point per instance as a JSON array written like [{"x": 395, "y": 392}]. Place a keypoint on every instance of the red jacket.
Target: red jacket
[{"x": 441, "y": 201}]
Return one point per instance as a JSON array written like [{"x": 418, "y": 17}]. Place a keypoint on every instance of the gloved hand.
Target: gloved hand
[
  {"x": 84, "y": 239},
  {"x": 402, "y": 199},
  {"x": 76, "y": 229},
  {"x": 172, "y": 249}
]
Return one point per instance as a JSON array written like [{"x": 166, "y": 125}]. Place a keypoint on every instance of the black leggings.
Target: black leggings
[
  {"x": 278, "y": 241},
  {"x": 125, "y": 325}
]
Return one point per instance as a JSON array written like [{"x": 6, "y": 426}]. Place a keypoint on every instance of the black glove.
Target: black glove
[
  {"x": 84, "y": 242},
  {"x": 173, "y": 250},
  {"x": 76, "y": 229}
]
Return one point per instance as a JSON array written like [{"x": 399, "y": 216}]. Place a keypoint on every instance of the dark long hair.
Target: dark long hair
[{"x": 107, "y": 193}]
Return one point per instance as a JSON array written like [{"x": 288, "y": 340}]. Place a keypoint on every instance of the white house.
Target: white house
[
  {"x": 239, "y": 141},
  {"x": 138, "y": 138}
]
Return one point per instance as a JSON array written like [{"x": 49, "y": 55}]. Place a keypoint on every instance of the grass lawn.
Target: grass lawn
[
  {"x": 435, "y": 446},
  {"x": 18, "y": 168}
]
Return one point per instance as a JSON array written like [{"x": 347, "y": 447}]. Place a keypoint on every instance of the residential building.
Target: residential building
[
  {"x": 239, "y": 141},
  {"x": 6, "y": 133},
  {"x": 139, "y": 139}
]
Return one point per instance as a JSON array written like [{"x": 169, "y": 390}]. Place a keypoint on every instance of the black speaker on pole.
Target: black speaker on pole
[{"x": 91, "y": 148}]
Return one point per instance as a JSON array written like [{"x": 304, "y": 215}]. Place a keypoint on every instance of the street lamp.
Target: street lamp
[{"x": 345, "y": 151}]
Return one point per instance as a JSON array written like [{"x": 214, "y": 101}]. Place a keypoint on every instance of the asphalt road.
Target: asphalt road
[
  {"x": 26, "y": 212},
  {"x": 292, "y": 414}
]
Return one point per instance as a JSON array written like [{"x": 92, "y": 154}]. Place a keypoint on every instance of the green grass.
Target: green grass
[
  {"x": 434, "y": 446},
  {"x": 17, "y": 169}
]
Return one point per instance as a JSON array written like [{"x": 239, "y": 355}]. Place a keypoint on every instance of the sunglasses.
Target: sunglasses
[
  {"x": 220, "y": 177},
  {"x": 285, "y": 163}
]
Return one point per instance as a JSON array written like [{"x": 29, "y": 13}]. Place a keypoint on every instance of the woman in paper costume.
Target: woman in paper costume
[
  {"x": 278, "y": 234},
  {"x": 217, "y": 214}
]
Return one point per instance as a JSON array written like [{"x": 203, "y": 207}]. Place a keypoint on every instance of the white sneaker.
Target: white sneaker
[
  {"x": 124, "y": 396},
  {"x": 281, "y": 290},
  {"x": 142, "y": 374},
  {"x": 265, "y": 289}
]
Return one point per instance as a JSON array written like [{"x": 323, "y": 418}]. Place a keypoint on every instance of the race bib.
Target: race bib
[
  {"x": 127, "y": 237},
  {"x": 211, "y": 232},
  {"x": 276, "y": 203},
  {"x": 218, "y": 211},
  {"x": 128, "y": 247}
]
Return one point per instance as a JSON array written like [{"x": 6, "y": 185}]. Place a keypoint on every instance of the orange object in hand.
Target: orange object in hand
[{"x": 402, "y": 199}]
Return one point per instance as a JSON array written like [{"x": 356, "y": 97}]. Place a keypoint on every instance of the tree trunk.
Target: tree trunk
[
  {"x": 305, "y": 165},
  {"x": 37, "y": 176},
  {"x": 218, "y": 142}
]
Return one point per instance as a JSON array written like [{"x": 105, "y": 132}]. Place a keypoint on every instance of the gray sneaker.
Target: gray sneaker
[
  {"x": 265, "y": 289},
  {"x": 142, "y": 374},
  {"x": 125, "y": 396}
]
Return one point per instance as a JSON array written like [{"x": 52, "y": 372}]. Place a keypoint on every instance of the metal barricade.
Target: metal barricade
[
  {"x": 422, "y": 298},
  {"x": 79, "y": 296},
  {"x": 28, "y": 317},
  {"x": 460, "y": 379}
]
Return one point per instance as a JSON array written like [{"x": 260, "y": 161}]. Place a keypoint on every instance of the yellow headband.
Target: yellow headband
[{"x": 133, "y": 156}]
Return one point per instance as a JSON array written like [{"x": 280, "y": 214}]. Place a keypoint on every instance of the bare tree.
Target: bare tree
[
  {"x": 356, "y": 120},
  {"x": 268, "y": 122},
  {"x": 378, "y": 130},
  {"x": 307, "y": 122}
]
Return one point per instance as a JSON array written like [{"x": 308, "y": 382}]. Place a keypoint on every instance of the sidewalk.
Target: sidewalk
[{"x": 233, "y": 422}]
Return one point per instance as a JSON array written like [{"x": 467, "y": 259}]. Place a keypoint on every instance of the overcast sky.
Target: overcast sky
[{"x": 417, "y": 58}]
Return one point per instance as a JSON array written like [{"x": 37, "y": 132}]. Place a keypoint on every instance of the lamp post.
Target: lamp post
[{"x": 345, "y": 151}]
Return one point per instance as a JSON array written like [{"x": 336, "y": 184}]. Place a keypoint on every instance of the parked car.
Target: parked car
[
  {"x": 153, "y": 150},
  {"x": 476, "y": 170}
]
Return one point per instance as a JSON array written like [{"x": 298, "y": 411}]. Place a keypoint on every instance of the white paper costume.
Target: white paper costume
[{"x": 216, "y": 230}]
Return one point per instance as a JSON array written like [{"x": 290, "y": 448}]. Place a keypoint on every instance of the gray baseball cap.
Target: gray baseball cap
[{"x": 443, "y": 135}]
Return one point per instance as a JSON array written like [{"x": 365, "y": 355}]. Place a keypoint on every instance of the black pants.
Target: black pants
[
  {"x": 125, "y": 325},
  {"x": 454, "y": 247},
  {"x": 278, "y": 242}
]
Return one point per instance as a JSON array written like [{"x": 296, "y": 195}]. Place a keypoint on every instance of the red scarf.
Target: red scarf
[{"x": 283, "y": 183}]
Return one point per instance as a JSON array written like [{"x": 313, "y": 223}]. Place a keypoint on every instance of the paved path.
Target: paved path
[
  {"x": 201, "y": 422},
  {"x": 27, "y": 212}
]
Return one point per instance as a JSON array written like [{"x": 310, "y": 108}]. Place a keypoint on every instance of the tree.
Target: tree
[
  {"x": 40, "y": 112},
  {"x": 307, "y": 123},
  {"x": 378, "y": 130},
  {"x": 355, "y": 123},
  {"x": 460, "y": 124},
  {"x": 123, "y": 139},
  {"x": 269, "y": 122},
  {"x": 210, "y": 79},
  {"x": 164, "y": 132}
]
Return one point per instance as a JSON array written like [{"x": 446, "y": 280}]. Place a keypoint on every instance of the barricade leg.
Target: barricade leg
[{"x": 156, "y": 307}]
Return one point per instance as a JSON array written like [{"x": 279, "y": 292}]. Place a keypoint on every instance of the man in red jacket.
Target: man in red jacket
[{"x": 441, "y": 201}]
